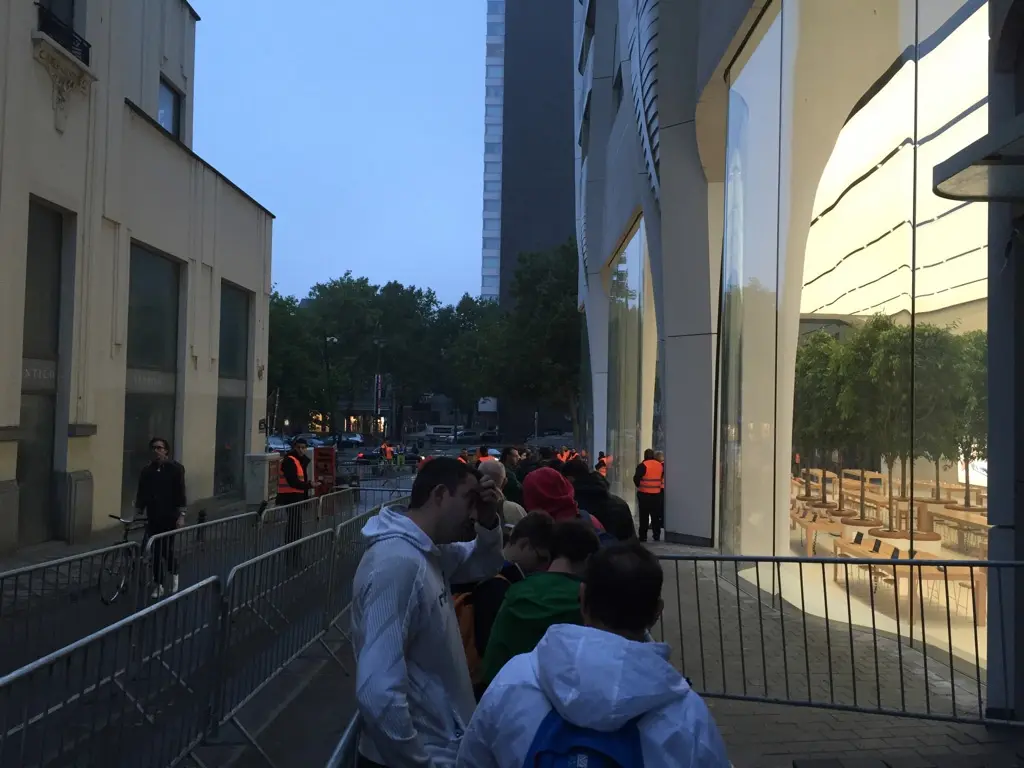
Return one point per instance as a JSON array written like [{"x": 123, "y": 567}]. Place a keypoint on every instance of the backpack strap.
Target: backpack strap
[{"x": 557, "y": 738}]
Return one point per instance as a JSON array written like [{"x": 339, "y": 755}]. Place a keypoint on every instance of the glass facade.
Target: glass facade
[
  {"x": 632, "y": 361},
  {"x": 852, "y": 403}
]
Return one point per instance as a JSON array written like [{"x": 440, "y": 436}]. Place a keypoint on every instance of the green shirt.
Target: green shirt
[{"x": 529, "y": 608}]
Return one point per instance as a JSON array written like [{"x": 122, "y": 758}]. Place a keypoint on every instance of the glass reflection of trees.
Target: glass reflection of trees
[{"x": 893, "y": 391}]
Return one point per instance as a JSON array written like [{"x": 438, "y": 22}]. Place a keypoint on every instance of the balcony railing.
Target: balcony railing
[{"x": 64, "y": 34}]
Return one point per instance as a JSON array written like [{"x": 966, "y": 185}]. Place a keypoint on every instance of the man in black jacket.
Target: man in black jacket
[
  {"x": 592, "y": 494},
  {"x": 295, "y": 487},
  {"x": 161, "y": 497}
]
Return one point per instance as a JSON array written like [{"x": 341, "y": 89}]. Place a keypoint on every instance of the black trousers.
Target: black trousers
[
  {"x": 650, "y": 509},
  {"x": 293, "y": 524},
  {"x": 365, "y": 762},
  {"x": 163, "y": 549}
]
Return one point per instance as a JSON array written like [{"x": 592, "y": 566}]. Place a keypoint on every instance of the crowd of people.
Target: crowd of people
[{"x": 502, "y": 618}]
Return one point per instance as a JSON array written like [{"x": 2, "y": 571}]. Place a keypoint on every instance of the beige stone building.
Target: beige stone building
[{"x": 136, "y": 277}]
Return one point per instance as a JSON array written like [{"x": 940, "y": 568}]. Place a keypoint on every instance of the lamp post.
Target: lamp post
[
  {"x": 378, "y": 384},
  {"x": 329, "y": 341}
]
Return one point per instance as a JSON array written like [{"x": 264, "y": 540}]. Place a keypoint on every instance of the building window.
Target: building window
[
  {"x": 495, "y": 29},
  {"x": 492, "y": 168},
  {"x": 495, "y": 7},
  {"x": 492, "y": 186},
  {"x": 169, "y": 110},
  {"x": 490, "y": 262},
  {"x": 617, "y": 90},
  {"x": 493, "y": 110},
  {"x": 492, "y": 206},
  {"x": 495, "y": 71},
  {"x": 493, "y": 130},
  {"x": 62, "y": 10},
  {"x": 229, "y": 458},
  {"x": 492, "y": 225},
  {"x": 151, "y": 381},
  {"x": 495, "y": 50},
  {"x": 492, "y": 148},
  {"x": 489, "y": 281},
  {"x": 42, "y": 282},
  {"x": 491, "y": 243},
  {"x": 495, "y": 92}
]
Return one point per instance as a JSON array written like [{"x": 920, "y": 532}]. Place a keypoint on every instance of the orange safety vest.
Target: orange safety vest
[
  {"x": 389, "y": 452},
  {"x": 282, "y": 483},
  {"x": 662, "y": 474},
  {"x": 653, "y": 474},
  {"x": 462, "y": 460},
  {"x": 487, "y": 458}
]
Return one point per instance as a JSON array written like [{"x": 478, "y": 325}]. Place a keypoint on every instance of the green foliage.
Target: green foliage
[{"x": 327, "y": 348}]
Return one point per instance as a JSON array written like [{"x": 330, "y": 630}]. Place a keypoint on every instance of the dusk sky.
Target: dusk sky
[{"x": 359, "y": 125}]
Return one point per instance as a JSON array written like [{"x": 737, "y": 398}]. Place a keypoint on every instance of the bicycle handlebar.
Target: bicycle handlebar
[{"x": 123, "y": 521}]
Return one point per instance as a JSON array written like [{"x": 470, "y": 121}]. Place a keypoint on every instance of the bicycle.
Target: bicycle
[{"x": 118, "y": 566}]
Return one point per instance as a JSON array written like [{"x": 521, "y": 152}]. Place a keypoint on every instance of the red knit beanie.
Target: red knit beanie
[{"x": 546, "y": 489}]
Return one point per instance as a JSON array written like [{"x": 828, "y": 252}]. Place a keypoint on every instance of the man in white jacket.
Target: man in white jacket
[
  {"x": 597, "y": 691},
  {"x": 412, "y": 682}
]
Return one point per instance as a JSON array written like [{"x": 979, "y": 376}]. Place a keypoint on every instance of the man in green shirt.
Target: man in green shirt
[{"x": 543, "y": 599}]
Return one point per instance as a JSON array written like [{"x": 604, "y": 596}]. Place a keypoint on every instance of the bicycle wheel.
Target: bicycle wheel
[{"x": 115, "y": 569}]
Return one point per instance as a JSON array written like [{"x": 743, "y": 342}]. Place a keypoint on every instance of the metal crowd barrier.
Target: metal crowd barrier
[
  {"x": 150, "y": 688},
  {"x": 913, "y": 637},
  {"x": 346, "y": 754},
  {"x": 46, "y": 606}
]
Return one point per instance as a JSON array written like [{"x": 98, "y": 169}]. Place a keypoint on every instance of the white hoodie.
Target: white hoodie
[
  {"x": 595, "y": 680},
  {"x": 412, "y": 682}
]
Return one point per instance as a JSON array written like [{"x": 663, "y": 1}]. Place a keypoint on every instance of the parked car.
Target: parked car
[
  {"x": 312, "y": 440},
  {"x": 351, "y": 438},
  {"x": 277, "y": 444},
  {"x": 490, "y": 436}
]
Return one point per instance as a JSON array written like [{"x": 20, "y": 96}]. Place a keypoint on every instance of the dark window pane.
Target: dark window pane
[
  {"x": 169, "y": 110},
  {"x": 145, "y": 417},
  {"x": 153, "y": 312},
  {"x": 230, "y": 454},
  {"x": 64, "y": 10},
  {"x": 234, "y": 332},
  {"x": 42, "y": 283}
]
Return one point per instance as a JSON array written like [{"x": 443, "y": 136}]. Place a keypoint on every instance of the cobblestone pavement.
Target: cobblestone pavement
[{"x": 728, "y": 642}]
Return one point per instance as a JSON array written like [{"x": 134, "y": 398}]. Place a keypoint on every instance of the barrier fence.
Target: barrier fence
[
  {"x": 149, "y": 689},
  {"x": 924, "y": 638},
  {"x": 47, "y": 606}
]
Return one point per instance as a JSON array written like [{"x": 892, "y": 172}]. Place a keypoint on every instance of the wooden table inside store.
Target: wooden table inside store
[
  {"x": 812, "y": 524},
  {"x": 916, "y": 571}
]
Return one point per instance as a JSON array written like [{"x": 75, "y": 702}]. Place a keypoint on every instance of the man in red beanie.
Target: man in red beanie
[{"x": 547, "y": 490}]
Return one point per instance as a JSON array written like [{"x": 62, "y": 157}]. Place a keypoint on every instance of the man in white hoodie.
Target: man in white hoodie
[
  {"x": 597, "y": 694},
  {"x": 412, "y": 683}
]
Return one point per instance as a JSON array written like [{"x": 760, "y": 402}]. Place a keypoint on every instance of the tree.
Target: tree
[
  {"x": 970, "y": 402},
  {"x": 816, "y": 390},
  {"x": 292, "y": 370},
  {"x": 890, "y": 414},
  {"x": 858, "y": 392},
  {"x": 543, "y": 353},
  {"x": 935, "y": 367}
]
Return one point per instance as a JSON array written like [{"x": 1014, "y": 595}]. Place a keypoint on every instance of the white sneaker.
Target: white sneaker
[
  {"x": 174, "y": 583},
  {"x": 158, "y": 592}
]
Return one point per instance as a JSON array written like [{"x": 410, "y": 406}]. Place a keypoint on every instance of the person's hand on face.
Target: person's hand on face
[{"x": 488, "y": 499}]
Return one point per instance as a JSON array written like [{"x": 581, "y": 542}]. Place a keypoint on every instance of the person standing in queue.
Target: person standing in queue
[
  {"x": 293, "y": 487},
  {"x": 650, "y": 499},
  {"x": 513, "y": 486},
  {"x": 602, "y": 465},
  {"x": 413, "y": 687},
  {"x": 161, "y": 497}
]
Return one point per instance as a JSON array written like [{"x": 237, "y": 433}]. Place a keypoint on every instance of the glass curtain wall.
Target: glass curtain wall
[
  {"x": 632, "y": 337},
  {"x": 853, "y": 347}
]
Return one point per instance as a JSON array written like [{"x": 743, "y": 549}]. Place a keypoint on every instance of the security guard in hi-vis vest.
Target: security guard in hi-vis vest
[{"x": 649, "y": 479}]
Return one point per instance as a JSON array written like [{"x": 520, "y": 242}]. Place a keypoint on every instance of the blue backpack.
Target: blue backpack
[
  {"x": 560, "y": 744},
  {"x": 603, "y": 536}
]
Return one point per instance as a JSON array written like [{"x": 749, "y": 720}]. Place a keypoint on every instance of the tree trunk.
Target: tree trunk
[
  {"x": 938, "y": 483},
  {"x": 967, "y": 481},
  {"x": 863, "y": 485},
  {"x": 839, "y": 476},
  {"x": 888, "y": 463},
  {"x": 903, "y": 477}
]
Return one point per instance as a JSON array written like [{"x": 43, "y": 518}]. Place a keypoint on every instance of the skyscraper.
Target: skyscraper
[
  {"x": 529, "y": 187},
  {"x": 494, "y": 100}
]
